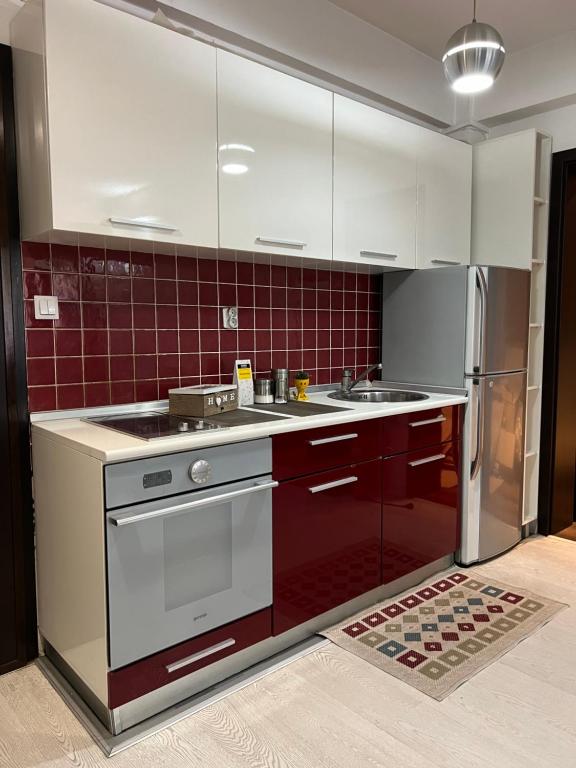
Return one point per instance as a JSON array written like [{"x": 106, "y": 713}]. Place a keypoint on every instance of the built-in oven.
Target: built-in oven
[{"x": 189, "y": 545}]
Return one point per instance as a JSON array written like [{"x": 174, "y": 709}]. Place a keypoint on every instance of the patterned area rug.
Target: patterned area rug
[{"x": 441, "y": 634}]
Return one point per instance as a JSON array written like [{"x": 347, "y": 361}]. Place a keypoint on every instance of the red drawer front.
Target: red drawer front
[
  {"x": 410, "y": 431},
  {"x": 151, "y": 673},
  {"x": 327, "y": 541},
  {"x": 420, "y": 509},
  {"x": 313, "y": 450}
]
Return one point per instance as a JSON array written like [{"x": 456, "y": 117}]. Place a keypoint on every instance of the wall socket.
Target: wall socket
[{"x": 230, "y": 317}]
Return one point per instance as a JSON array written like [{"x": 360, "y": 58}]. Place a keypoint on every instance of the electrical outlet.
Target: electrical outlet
[{"x": 230, "y": 317}]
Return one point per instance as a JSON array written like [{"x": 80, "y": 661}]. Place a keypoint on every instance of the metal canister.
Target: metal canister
[
  {"x": 281, "y": 388},
  {"x": 263, "y": 391}
]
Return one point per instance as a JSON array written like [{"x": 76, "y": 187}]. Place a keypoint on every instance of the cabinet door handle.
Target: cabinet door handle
[
  {"x": 436, "y": 457},
  {"x": 445, "y": 261},
  {"x": 336, "y": 439},
  {"x": 281, "y": 242},
  {"x": 333, "y": 484},
  {"x": 437, "y": 420},
  {"x": 379, "y": 254},
  {"x": 200, "y": 655},
  {"x": 142, "y": 224}
]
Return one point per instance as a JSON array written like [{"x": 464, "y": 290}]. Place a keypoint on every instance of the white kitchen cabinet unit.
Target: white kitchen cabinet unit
[
  {"x": 116, "y": 121},
  {"x": 505, "y": 200},
  {"x": 375, "y": 186},
  {"x": 444, "y": 201},
  {"x": 275, "y": 161}
]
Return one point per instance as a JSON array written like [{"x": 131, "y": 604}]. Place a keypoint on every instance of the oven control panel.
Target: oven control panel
[{"x": 200, "y": 472}]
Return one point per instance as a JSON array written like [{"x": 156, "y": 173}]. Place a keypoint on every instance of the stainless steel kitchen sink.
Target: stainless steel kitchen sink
[{"x": 376, "y": 395}]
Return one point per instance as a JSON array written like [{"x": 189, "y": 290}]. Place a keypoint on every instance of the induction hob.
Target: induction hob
[{"x": 152, "y": 425}]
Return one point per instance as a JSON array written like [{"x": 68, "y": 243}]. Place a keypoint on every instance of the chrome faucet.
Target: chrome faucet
[{"x": 347, "y": 385}]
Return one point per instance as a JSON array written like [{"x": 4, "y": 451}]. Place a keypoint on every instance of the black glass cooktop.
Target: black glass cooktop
[{"x": 150, "y": 425}]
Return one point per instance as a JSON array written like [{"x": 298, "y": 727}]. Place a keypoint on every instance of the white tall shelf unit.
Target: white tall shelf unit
[{"x": 537, "y": 319}]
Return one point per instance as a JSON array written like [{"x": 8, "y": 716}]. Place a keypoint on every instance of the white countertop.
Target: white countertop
[{"x": 108, "y": 445}]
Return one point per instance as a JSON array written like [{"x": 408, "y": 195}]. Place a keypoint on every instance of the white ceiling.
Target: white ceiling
[{"x": 428, "y": 24}]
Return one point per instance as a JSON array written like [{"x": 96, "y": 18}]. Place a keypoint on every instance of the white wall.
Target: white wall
[{"x": 559, "y": 123}]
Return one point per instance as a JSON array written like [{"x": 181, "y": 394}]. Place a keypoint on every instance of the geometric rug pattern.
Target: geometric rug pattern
[{"x": 442, "y": 633}]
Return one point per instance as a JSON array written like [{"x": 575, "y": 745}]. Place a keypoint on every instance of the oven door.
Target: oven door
[{"x": 179, "y": 567}]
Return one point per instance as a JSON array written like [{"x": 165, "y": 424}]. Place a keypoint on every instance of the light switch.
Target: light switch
[{"x": 46, "y": 308}]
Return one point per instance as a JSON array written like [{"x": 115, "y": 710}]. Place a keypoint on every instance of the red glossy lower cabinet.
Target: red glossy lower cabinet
[
  {"x": 134, "y": 680},
  {"x": 420, "y": 508},
  {"x": 327, "y": 541}
]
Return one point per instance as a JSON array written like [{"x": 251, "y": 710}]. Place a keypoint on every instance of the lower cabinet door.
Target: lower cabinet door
[
  {"x": 420, "y": 508},
  {"x": 327, "y": 541}
]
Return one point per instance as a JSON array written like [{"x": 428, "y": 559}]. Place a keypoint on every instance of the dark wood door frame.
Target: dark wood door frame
[
  {"x": 556, "y": 480},
  {"x": 17, "y": 544}
]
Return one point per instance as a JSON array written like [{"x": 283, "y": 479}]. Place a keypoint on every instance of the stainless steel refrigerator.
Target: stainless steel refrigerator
[{"x": 467, "y": 327}]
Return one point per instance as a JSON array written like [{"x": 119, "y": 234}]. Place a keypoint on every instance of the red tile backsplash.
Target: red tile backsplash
[{"x": 132, "y": 325}]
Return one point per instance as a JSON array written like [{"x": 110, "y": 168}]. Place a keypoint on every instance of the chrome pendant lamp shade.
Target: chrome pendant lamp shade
[{"x": 474, "y": 57}]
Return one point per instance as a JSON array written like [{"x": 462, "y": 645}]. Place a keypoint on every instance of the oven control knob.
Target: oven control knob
[{"x": 200, "y": 472}]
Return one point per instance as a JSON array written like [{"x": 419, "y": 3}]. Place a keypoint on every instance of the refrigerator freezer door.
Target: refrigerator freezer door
[
  {"x": 494, "y": 459},
  {"x": 498, "y": 318}
]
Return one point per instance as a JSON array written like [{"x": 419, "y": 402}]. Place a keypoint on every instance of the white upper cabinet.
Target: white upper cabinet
[
  {"x": 375, "y": 186},
  {"x": 275, "y": 161},
  {"x": 129, "y": 131},
  {"x": 503, "y": 201},
  {"x": 444, "y": 201}
]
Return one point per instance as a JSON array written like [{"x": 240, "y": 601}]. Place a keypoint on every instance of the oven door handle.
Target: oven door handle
[{"x": 127, "y": 518}]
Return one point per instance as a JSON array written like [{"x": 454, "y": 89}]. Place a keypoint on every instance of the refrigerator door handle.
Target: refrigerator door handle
[
  {"x": 483, "y": 290},
  {"x": 477, "y": 460}
]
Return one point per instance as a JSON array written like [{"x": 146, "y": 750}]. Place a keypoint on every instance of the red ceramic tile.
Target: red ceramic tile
[
  {"x": 187, "y": 268},
  {"x": 295, "y": 339},
  {"x": 349, "y": 281},
  {"x": 96, "y": 369},
  {"x": 294, "y": 318},
  {"x": 210, "y": 364},
  {"x": 94, "y": 315},
  {"x": 41, "y": 398},
  {"x": 349, "y": 301},
  {"x": 92, "y": 260},
  {"x": 294, "y": 298},
  {"x": 66, "y": 286},
  {"x": 164, "y": 387},
  {"x": 228, "y": 341},
  {"x": 322, "y": 339},
  {"x": 119, "y": 316},
  {"x": 209, "y": 340},
  {"x": 337, "y": 338},
  {"x": 262, "y": 296},
  {"x": 336, "y": 281},
  {"x": 118, "y": 263},
  {"x": 69, "y": 370},
  {"x": 97, "y": 394},
  {"x": 142, "y": 264},
  {"x": 70, "y": 315},
  {"x": 189, "y": 341},
  {"x": 209, "y": 317},
  {"x": 146, "y": 367},
  {"x": 278, "y": 298},
  {"x": 165, "y": 265},
  {"x": 146, "y": 390},
  {"x": 227, "y": 295},
  {"x": 207, "y": 271},
  {"x": 166, "y": 292},
  {"x": 279, "y": 358},
  {"x": 144, "y": 342},
  {"x": 337, "y": 299},
  {"x": 294, "y": 277},
  {"x": 166, "y": 317},
  {"x": 323, "y": 318},
  {"x": 227, "y": 272},
  {"x": 144, "y": 316},
  {"x": 323, "y": 358},
  {"x": 309, "y": 319},
  {"x": 279, "y": 340},
  {"x": 278, "y": 319},
  {"x": 95, "y": 342},
  {"x": 227, "y": 366},
  {"x": 120, "y": 289},
  {"x": 263, "y": 361},
  {"x": 261, "y": 274},
  {"x": 245, "y": 339},
  {"x": 245, "y": 273},
  {"x": 323, "y": 279},
  {"x": 143, "y": 291},
  {"x": 188, "y": 317},
  {"x": 263, "y": 340},
  {"x": 190, "y": 365},
  {"x": 68, "y": 343},
  {"x": 168, "y": 366},
  {"x": 187, "y": 293},
  {"x": 93, "y": 288},
  {"x": 121, "y": 343},
  {"x": 36, "y": 256},
  {"x": 208, "y": 294},
  {"x": 294, "y": 360},
  {"x": 30, "y": 319},
  {"x": 39, "y": 343},
  {"x": 41, "y": 370},
  {"x": 121, "y": 368},
  {"x": 278, "y": 275},
  {"x": 336, "y": 319},
  {"x": 362, "y": 282},
  {"x": 167, "y": 341},
  {"x": 309, "y": 358},
  {"x": 121, "y": 392},
  {"x": 71, "y": 396},
  {"x": 37, "y": 284},
  {"x": 362, "y": 301},
  {"x": 65, "y": 258},
  {"x": 245, "y": 295}
]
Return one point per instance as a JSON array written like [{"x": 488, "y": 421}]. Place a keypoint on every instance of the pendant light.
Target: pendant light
[{"x": 474, "y": 57}]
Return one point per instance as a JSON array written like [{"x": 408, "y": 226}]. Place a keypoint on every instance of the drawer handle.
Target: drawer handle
[
  {"x": 437, "y": 457},
  {"x": 200, "y": 655},
  {"x": 333, "y": 484},
  {"x": 446, "y": 261},
  {"x": 437, "y": 420},
  {"x": 143, "y": 224},
  {"x": 377, "y": 253},
  {"x": 336, "y": 439},
  {"x": 280, "y": 242}
]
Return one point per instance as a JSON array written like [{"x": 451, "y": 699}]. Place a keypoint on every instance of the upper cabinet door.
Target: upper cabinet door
[
  {"x": 275, "y": 161},
  {"x": 132, "y": 126},
  {"x": 375, "y": 178},
  {"x": 444, "y": 201},
  {"x": 503, "y": 200}
]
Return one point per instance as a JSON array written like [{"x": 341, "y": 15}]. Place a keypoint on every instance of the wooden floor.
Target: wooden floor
[
  {"x": 332, "y": 709},
  {"x": 568, "y": 533}
]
